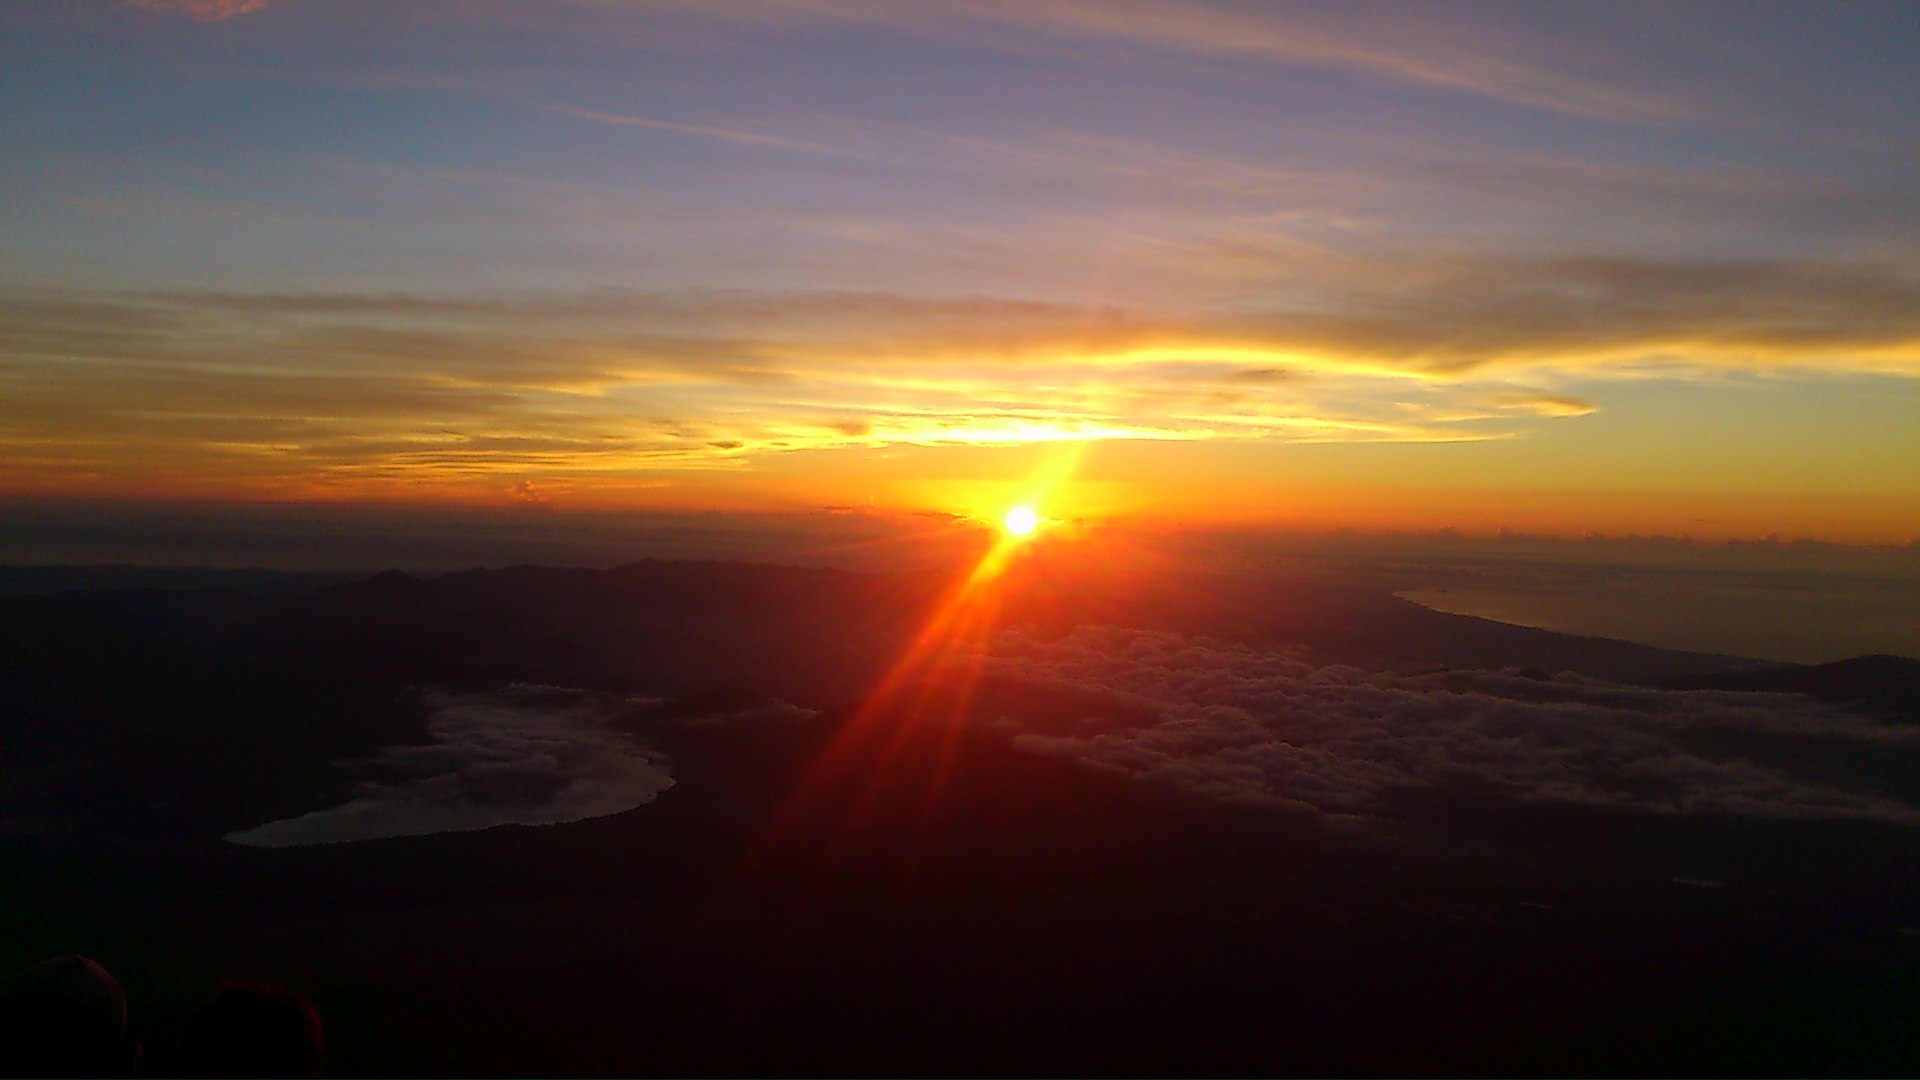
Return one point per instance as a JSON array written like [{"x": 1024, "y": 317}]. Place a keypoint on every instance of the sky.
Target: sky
[{"x": 1560, "y": 268}]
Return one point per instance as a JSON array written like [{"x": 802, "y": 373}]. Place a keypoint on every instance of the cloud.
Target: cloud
[
  {"x": 1543, "y": 404},
  {"x": 527, "y": 494},
  {"x": 356, "y": 389},
  {"x": 523, "y": 755},
  {"x": 1421, "y": 53},
  {"x": 1413, "y": 316},
  {"x": 1382, "y": 50},
  {"x": 1262, "y": 375},
  {"x": 295, "y": 390},
  {"x": 1252, "y": 725},
  {"x": 204, "y": 10},
  {"x": 705, "y": 131},
  {"x": 773, "y": 712},
  {"x": 1458, "y": 316}
]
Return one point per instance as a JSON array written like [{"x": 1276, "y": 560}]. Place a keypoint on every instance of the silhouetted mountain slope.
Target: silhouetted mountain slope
[
  {"x": 45, "y": 580},
  {"x": 1339, "y": 621},
  {"x": 195, "y": 618},
  {"x": 1889, "y": 684},
  {"x": 815, "y": 635},
  {"x": 653, "y": 626},
  {"x": 823, "y": 636},
  {"x": 125, "y": 732},
  {"x": 889, "y": 885}
]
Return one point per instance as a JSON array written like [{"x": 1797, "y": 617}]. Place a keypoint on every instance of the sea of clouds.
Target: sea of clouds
[
  {"x": 522, "y": 755},
  {"x": 1259, "y": 725}
]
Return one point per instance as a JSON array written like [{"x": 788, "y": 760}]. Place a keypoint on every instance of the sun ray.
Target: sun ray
[{"x": 927, "y": 690}]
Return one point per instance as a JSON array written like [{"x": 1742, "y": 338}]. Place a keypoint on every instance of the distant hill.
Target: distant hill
[
  {"x": 15, "y": 580},
  {"x": 1889, "y": 684},
  {"x": 816, "y": 636}
]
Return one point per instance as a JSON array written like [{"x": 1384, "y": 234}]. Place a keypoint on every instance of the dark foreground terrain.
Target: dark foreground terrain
[{"x": 892, "y": 884}]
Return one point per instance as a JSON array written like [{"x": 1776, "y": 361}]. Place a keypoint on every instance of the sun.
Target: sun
[{"x": 1021, "y": 521}]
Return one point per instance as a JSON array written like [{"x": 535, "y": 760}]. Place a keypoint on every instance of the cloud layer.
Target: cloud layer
[
  {"x": 1248, "y": 725},
  {"x": 519, "y": 756},
  {"x": 344, "y": 388}
]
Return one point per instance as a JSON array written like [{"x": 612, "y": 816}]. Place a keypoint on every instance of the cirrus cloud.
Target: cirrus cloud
[{"x": 203, "y": 10}]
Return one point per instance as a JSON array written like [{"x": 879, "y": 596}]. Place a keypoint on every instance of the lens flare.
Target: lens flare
[{"x": 914, "y": 721}]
